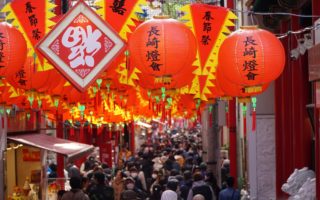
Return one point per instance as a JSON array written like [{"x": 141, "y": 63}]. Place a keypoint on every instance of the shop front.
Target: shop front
[{"x": 27, "y": 163}]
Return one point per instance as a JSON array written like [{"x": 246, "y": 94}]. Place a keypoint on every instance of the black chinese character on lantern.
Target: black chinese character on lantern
[
  {"x": 155, "y": 66},
  {"x": 1, "y": 56},
  {"x": 36, "y": 34},
  {"x": 250, "y": 52},
  {"x": 1, "y": 45},
  {"x": 251, "y": 76},
  {"x": 249, "y": 40},
  {"x": 29, "y": 8},
  {"x": 249, "y": 65},
  {"x": 205, "y": 39},
  {"x": 153, "y": 55},
  {"x": 153, "y": 31},
  {"x": 1, "y": 35},
  {"x": 117, "y": 7},
  {"x": 21, "y": 76},
  {"x": 153, "y": 42},
  {"x": 207, "y": 16},
  {"x": 33, "y": 20}
]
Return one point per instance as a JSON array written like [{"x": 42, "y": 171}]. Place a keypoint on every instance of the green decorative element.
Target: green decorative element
[
  {"x": 120, "y": 97},
  {"x": 210, "y": 109},
  {"x": 8, "y": 110},
  {"x": 226, "y": 107},
  {"x": 28, "y": 116},
  {"x": 113, "y": 96},
  {"x": 95, "y": 90},
  {"x": 163, "y": 91},
  {"x": 169, "y": 100},
  {"x": 198, "y": 103},
  {"x": 1, "y": 111},
  {"x": 31, "y": 99},
  {"x": 244, "y": 109},
  {"x": 39, "y": 103},
  {"x": 108, "y": 87},
  {"x": 127, "y": 53},
  {"x": 157, "y": 99},
  {"x": 99, "y": 81},
  {"x": 254, "y": 102},
  {"x": 82, "y": 108},
  {"x": 241, "y": 182},
  {"x": 149, "y": 93},
  {"x": 56, "y": 103}
]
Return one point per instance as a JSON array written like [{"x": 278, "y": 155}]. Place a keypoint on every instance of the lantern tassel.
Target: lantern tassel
[
  {"x": 254, "y": 120},
  {"x": 254, "y": 106},
  {"x": 244, "y": 126}
]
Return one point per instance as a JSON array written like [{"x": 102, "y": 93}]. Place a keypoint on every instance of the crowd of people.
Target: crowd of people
[{"x": 168, "y": 168}]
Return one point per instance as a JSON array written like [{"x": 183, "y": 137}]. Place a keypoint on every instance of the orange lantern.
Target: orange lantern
[
  {"x": 251, "y": 57},
  {"x": 162, "y": 47},
  {"x": 13, "y": 49}
]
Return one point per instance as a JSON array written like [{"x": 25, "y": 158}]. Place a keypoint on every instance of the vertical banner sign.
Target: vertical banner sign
[
  {"x": 210, "y": 25},
  {"x": 81, "y": 46},
  {"x": 32, "y": 18},
  {"x": 120, "y": 14}
]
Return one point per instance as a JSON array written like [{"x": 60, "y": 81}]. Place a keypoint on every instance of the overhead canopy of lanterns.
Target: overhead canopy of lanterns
[{"x": 170, "y": 68}]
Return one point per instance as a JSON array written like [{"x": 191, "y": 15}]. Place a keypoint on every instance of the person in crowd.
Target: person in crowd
[
  {"x": 138, "y": 178},
  {"x": 73, "y": 170},
  {"x": 100, "y": 191},
  {"x": 87, "y": 165},
  {"x": 53, "y": 171},
  {"x": 198, "y": 197},
  {"x": 60, "y": 194},
  {"x": 229, "y": 193},
  {"x": 200, "y": 187},
  {"x": 118, "y": 184},
  {"x": 158, "y": 186},
  {"x": 225, "y": 172},
  {"x": 171, "y": 192},
  {"x": 211, "y": 180},
  {"x": 76, "y": 192},
  {"x": 131, "y": 192},
  {"x": 186, "y": 184}
]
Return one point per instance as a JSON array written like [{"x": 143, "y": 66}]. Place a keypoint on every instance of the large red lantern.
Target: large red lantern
[
  {"x": 13, "y": 49},
  {"x": 251, "y": 57},
  {"x": 162, "y": 47}
]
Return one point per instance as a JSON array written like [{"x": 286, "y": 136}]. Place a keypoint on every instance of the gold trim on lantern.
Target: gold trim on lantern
[
  {"x": 161, "y": 17},
  {"x": 253, "y": 27},
  {"x": 253, "y": 89}
]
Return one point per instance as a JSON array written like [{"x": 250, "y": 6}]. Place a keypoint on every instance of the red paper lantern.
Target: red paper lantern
[
  {"x": 162, "y": 46},
  {"x": 13, "y": 49},
  {"x": 251, "y": 56}
]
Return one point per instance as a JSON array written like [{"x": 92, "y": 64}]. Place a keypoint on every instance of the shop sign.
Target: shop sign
[{"x": 81, "y": 45}]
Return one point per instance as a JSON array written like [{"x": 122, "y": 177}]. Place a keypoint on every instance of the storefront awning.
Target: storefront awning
[{"x": 68, "y": 148}]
